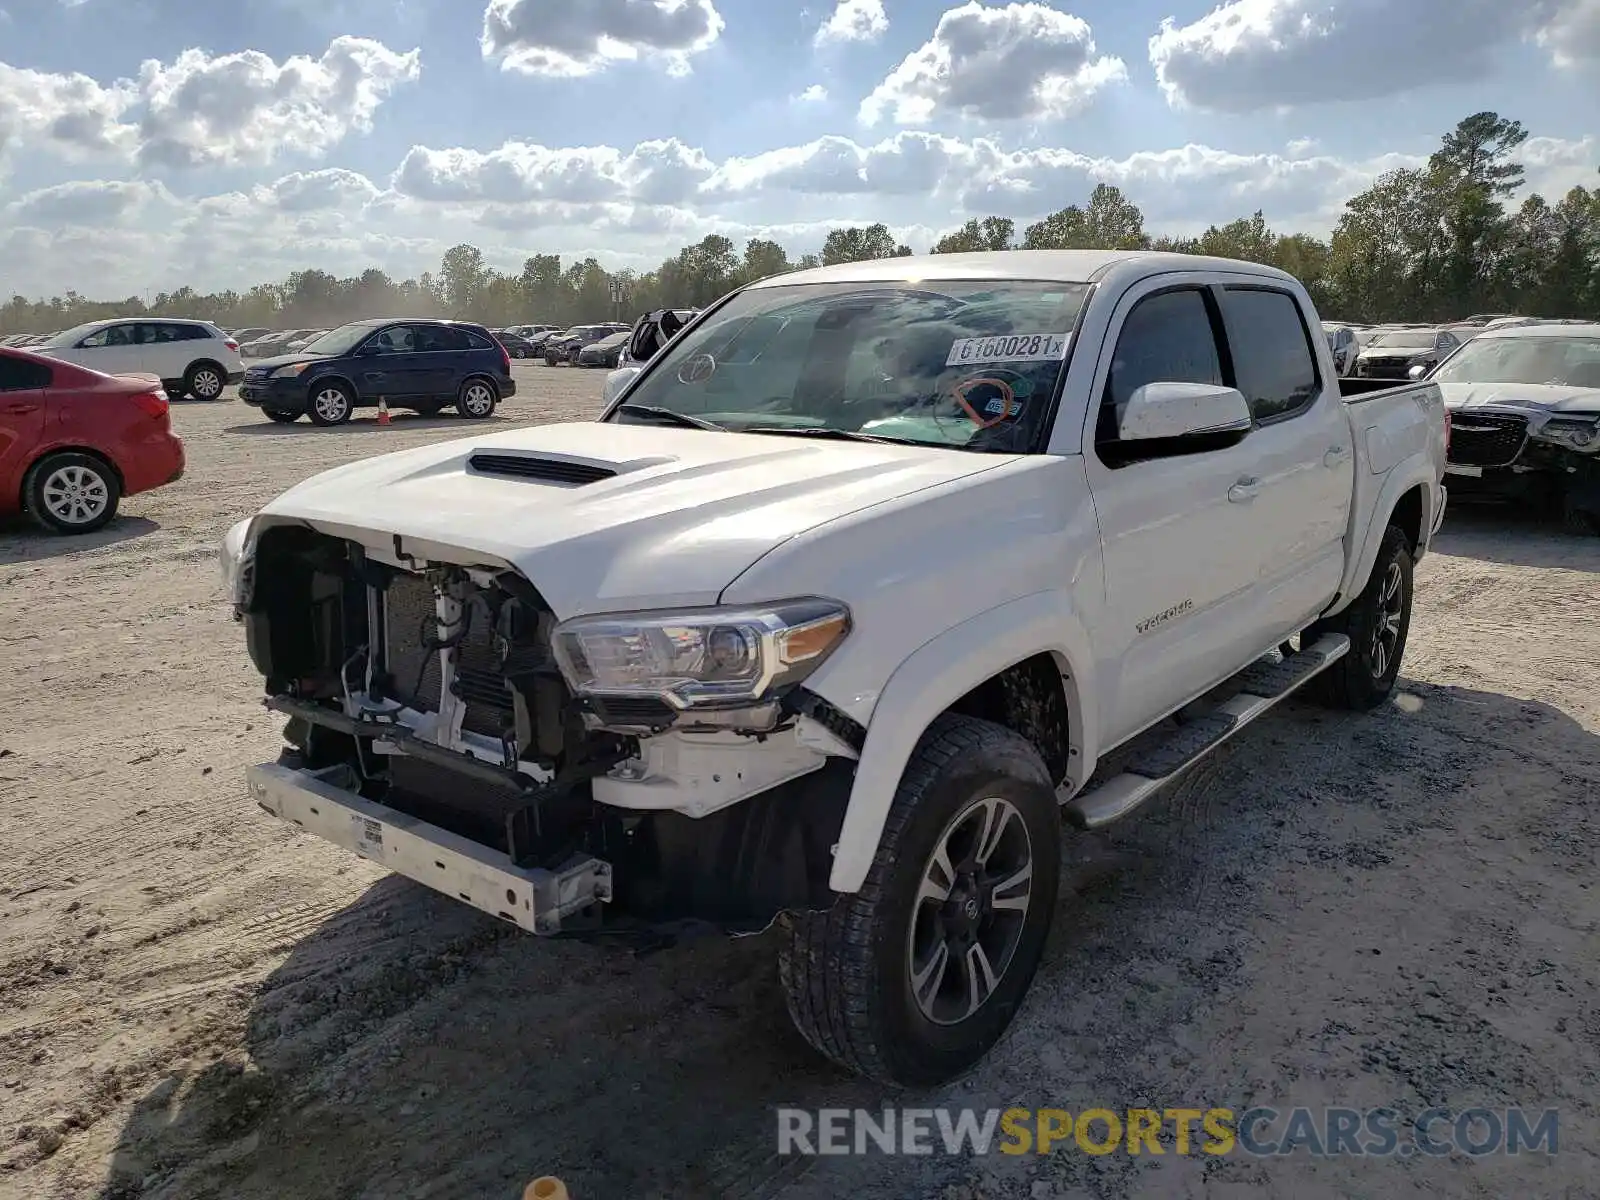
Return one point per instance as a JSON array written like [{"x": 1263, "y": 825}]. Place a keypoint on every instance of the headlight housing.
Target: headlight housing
[
  {"x": 290, "y": 371},
  {"x": 238, "y": 559},
  {"x": 1575, "y": 433},
  {"x": 702, "y": 658}
]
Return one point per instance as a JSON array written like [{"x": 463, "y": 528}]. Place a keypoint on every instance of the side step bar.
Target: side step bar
[{"x": 1265, "y": 684}]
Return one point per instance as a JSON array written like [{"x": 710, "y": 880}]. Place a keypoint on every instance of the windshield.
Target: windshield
[
  {"x": 1562, "y": 361},
  {"x": 1405, "y": 338},
  {"x": 338, "y": 341},
  {"x": 70, "y": 337},
  {"x": 971, "y": 365}
]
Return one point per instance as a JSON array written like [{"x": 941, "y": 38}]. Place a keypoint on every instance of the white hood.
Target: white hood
[
  {"x": 686, "y": 513},
  {"x": 1535, "y": 399}
]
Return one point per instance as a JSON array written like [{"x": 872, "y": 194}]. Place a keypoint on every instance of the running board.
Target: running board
[{"x": 1264, "y": 685}]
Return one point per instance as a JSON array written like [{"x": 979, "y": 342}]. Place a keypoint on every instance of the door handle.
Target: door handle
[
  {"x": 1244, "y": 491},
  {"x": 21, "y": 409},
  {"x": 1335, "y": 456}
]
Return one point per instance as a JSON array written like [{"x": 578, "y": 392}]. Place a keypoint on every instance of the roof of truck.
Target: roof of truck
[{"x": 1074, "y": 266}]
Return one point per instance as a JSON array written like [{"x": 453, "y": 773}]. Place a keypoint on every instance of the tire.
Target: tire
[
  {"x": 477, "y": 399},
  {"x": 1377, "y": 624},
  {"x": 1578, "y": 521},
  {"x": 847, "y": 972},
  {"x": 331, "y": 404},
  {"x": 282, "y": 418},
  {"x": 71, "y": 493},
  {"x": 204, "y": 381}
]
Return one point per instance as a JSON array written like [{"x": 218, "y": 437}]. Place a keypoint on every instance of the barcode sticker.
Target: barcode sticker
[{"x": 369, "y": 838}]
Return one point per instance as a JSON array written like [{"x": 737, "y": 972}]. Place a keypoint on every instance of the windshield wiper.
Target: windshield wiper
[
  {"x": 671, "y": 416},
  {"x": 838, "y": 435}
]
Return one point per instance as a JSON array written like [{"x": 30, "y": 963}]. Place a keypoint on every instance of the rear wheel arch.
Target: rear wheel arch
[{"x": 1408, "y": 517}]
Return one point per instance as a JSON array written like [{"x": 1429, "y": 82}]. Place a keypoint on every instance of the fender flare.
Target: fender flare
[
  {"x": 939, "y": 673},
  {"x": 1415, "y": 471}
]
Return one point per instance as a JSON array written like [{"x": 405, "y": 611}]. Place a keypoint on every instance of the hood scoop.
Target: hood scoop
[{"x": 575, "y": 472}]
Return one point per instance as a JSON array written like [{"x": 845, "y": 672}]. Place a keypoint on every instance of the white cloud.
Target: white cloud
[
  {"x": 815, "y": 94},
  {"x": 71, "y": 114},
  {"x": 662, "y": 172},
  {"x": 1247, "y": 55},
  {"x": 92, "y": 202},
  {"x": 1573, "y": 34},
  {"x": 567, "y": 38},
  {"x": 854, "y": 21},
  {"x": 1006, "y": 63},
  {"x": 246, "y": 108},
  {"x": 233, "y": 109},
  {"x": 316, "y": 191}
]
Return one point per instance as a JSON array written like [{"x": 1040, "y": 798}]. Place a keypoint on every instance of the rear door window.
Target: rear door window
[
  {"x": 429, "y": 338},
  {"x": 1273, "y": 362},
  {"x": 18, "y": 374}
]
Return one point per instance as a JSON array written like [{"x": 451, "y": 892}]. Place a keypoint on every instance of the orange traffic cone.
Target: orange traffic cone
[
  {"x": 547, "y": 1187},
  {"x": 383, "y": 412}
]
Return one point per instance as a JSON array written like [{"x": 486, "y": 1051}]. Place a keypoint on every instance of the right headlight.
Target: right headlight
[
  {"x": 1578, "y": 433},
  {"x": 700, "y": 658}
]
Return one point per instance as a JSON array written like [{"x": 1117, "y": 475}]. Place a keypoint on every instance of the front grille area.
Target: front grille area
[
  {"x": 410, "y": 618},
  {"x": 1386, "y": 368},
  {"x": 1486, "y": 440}
]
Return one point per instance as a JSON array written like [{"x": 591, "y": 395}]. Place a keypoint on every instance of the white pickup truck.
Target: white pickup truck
[{"x": 868, "y": 579}]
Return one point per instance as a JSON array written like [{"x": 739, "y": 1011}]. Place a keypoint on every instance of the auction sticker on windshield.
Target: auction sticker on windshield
[{"x": 1011, "y": 347}]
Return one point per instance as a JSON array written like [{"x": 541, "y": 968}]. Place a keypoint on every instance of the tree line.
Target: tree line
[{"x": 1432, "y": 243}]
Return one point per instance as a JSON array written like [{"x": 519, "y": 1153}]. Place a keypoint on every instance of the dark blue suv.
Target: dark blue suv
[{"x": 420, "y": 365}]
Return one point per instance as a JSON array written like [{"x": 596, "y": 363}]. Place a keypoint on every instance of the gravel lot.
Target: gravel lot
[{"x": 196, "y": 1002}]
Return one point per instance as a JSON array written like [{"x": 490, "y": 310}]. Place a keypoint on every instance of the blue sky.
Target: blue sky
[{"x": 146, "y": 143}]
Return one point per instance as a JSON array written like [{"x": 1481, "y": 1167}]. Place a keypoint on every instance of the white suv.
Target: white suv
[{"x": 192, "y": 358}]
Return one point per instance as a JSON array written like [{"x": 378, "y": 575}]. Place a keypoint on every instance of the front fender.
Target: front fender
[{"x": 942, "y": 671}]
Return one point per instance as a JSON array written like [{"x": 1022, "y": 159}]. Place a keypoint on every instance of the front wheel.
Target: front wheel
[
  {"x": 914, "y": 978},
  {"x": 331, "y": 404},
  {"x": 71, "y": 493},
  {"x": 1377, "y": 624},
  {"x": 477, "y": 399}
]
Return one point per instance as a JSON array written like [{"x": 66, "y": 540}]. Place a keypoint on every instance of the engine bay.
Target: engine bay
[{"x": 432, "y": 689}]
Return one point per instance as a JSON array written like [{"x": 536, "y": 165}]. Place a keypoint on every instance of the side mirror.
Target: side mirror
[
  {"x": 1417, "y": 372},
  {"x": 616, "y": 381},
  {"x": 1182, "y": 410}
]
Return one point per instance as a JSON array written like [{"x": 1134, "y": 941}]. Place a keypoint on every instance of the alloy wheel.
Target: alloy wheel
[
  {"x": 331, "y": 404},
  {"x": 207, "y": 384},
  {"x": 478, "y": 399},
  {"x": 1386, "y": 625},
  {"x": 75, "y": 495},
  {"x": 970, "y": 910}
]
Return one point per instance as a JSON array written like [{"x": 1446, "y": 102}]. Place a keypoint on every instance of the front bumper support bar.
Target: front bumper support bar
[{"x": 533, "y": 898}]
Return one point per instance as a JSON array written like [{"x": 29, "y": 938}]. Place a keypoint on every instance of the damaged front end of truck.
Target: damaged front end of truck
[{"x": 444, "y": 723}]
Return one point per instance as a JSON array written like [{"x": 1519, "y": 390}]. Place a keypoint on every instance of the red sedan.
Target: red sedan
[{"x": 73, "y": 442}]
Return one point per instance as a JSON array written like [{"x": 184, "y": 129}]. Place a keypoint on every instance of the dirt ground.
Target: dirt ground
[{"x": 196, "y": 1002}]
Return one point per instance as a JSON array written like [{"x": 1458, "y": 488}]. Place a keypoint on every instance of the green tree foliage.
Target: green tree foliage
[{"x": 1437, "y": 242}]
